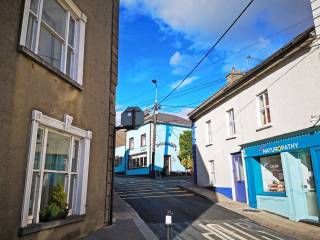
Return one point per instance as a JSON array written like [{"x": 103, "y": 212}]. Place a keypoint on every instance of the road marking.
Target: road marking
[
  {"x": 160, "y": 196},
  {"x": 244, "y": 233},
  {"x": 247, "y": 226},
  {"x": 211, "y": 231}
]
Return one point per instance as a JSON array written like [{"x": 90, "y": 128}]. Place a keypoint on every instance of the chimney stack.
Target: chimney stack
[
  {"x": 315, "y": 6},
  {"x": 234, "y": 75}
]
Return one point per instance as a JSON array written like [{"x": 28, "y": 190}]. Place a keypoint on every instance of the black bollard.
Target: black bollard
[{"x": 168, "y": 223}]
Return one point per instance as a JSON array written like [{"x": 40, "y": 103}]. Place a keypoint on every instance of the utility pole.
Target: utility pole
[{"x": 155, "y": 111}]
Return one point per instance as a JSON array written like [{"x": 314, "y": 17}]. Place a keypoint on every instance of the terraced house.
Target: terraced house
[{"x": 57, "y": 113}]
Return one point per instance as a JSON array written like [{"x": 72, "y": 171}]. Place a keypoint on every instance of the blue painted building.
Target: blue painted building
[
  {"x": 283, "y": 174},
  {"x": 120, "y": 152},
  {"x": 138, "y": 148}
]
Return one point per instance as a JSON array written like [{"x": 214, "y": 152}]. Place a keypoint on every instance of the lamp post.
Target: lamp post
[{"x": 155, "y": 111}]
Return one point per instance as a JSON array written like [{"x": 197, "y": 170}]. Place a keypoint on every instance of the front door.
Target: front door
[
  {"x": 238, "y": 174},
  {"x": 308, "y": 184},
  {"x": 167, "y": 164}
]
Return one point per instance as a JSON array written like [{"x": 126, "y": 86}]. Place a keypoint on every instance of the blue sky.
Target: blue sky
[{"x": 164, "y": 39}]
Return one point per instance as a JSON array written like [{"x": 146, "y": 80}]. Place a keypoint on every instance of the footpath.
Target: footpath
[
  {"x": 127, "y": 224},
  {"x": 297, "y": 230}
]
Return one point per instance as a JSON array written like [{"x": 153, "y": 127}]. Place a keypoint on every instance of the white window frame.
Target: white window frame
[
  {"x": 39, "y": 120},
  {"x": 231, "y": 123},
  {"x": 131, "y": 140},
  {"x": 263, "y": 109},
  {"x": 137, "y": 161},
  {"x": 79, "y": 39},
  {"x": 209, "y": 137},
  {"x": 145, "y": 140}
]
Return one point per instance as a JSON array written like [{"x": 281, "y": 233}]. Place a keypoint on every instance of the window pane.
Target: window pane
[
  {"x": 266, "y": 98},
  {"x": 57, "y": 152},
  {"x": 261, "y": 103},
  {"x": 31, "y": 32},
  {"x": 71, "y": 32},
  {"x": 55, "y": 16},
  {"x": 268, "y": 115},
  {"x": 34, "y": 190},
  {"x": 75, "y": 156},
  {"x": 34, "y": 6},
  {"x": 50, "y": 48},
  {"x": 50, "y": 180},
  {"x": 272, "y": 174},
  {"x": 70, "y": 59},
  {"x": 263, "y": 117},
  {"x": 73, "y": 184},
  {"x": 37, "y": 155}
]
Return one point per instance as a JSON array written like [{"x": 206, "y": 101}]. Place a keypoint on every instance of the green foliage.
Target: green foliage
[
  {"x": 185, "y": 153},
  {"x": 57, "y": 205}
]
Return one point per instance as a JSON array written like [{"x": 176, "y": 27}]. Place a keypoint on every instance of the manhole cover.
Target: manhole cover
[{"x": 250, "y": 210}]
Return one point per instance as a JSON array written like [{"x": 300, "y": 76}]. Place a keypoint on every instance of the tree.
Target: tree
[{"x": 185, "y": 153}]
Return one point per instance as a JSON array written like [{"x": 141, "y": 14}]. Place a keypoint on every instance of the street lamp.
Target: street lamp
[{"x": 155, "y": 111}]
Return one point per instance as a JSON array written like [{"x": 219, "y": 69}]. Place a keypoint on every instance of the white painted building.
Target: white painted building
[{"x": 277, "y": 100}]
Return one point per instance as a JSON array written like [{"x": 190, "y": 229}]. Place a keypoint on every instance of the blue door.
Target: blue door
[{"x": 238, "y": 174}]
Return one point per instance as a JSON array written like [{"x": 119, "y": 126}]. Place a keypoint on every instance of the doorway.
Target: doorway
[
  {"x": 167, "y": 164},
  {"x": 307, "y": 184},
  {"x": 238, "y": 175}
]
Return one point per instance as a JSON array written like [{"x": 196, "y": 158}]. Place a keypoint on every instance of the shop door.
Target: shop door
[
  {"x": 308, "y": 184},
  {"x": 167, "y": 164},
  {"x": 238, "y": 174}
]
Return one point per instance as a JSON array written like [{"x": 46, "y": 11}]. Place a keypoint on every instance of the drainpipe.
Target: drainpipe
[{"x": 194, "y": 154}]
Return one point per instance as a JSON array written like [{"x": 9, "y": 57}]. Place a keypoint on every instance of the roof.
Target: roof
[
  {"x": 120, "y": 137},
  {"x": 168, "y": 118},
  {"x": 233, "y": 87}
]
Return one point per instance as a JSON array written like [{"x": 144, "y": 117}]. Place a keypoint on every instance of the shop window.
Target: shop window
[
  {"x": 137, "y": 161},
  {"x": 55, "y": 31},
  {"x": 264, "y": 117},
  {"x": 272, "y": 174},
  {"x": 58, "y": 159}
]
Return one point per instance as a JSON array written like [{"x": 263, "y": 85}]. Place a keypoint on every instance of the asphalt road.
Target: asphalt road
[{"x": 194, "y": 217}]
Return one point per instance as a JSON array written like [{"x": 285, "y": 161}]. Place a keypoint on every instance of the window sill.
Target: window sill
[
  {"x": 208, "y": 145},
  {"x": 54, "y": 70},
  {"x": 33, "y": 228},
  {"x": 230, "y": 138},
  {"x": 264, "y": 127}
]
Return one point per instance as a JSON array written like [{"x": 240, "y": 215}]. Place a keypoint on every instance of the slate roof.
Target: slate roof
[{"x": 168, "y": 118}]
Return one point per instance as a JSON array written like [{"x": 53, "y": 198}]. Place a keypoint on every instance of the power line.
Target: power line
[
  {"x": 210, "y": 50},
  {"x": 234, "y": 53}
]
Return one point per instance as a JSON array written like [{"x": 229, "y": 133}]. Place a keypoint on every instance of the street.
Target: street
[{"x": 194, "y": 217}]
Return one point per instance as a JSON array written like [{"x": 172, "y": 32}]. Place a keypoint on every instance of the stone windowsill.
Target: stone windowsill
[
  {"x": 33, "y": 228},
  {"x": 264, "y": 127},
  {"x": 230, "y": 138},
  {"x": 54, "y": 70}
]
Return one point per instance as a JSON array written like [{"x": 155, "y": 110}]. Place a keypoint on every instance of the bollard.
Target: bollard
[{"x": 168, "y": 223}]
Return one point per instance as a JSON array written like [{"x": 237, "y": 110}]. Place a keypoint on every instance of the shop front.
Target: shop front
[{"x": 283, "y": 175}]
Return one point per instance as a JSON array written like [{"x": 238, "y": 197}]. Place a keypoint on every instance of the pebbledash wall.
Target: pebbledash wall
[
  {"x": 33, "y": 93},
  {"x": 167, "y": 143},
  {"x": 291, "y": 78}
]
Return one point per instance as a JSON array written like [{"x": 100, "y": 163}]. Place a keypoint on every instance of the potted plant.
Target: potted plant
[{"x": 57, "y": 205}]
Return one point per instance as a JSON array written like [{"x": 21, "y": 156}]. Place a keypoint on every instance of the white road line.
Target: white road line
[
  {"x": 263, "y": 232},
  {"x": 225, "y": 231},
  {"x": 159, "y": 196},
  {"x": 211, "y": 232},
  {"x": 242, "y": 232}
]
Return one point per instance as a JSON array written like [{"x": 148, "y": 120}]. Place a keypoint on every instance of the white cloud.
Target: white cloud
[
  {"x": 202, "y": 21},
  {"x": 183, "y": 112},
  {"x": 175, "y": 58},
  {"x": 185, "y": 83}
]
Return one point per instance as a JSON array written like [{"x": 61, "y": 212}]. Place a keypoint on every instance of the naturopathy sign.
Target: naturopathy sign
[{"x": 280, "y": 148}]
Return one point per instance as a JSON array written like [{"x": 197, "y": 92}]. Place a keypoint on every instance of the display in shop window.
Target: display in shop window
[{"x": 272, "y": 174}]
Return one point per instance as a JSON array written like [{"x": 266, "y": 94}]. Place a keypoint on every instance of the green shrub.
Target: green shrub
[{"x": 57, "y": 205}]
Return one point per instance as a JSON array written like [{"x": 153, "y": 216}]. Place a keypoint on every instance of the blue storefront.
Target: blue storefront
[{"x": 283, "y": 175}]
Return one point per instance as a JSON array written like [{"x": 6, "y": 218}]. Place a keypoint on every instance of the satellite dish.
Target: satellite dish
[{"x": 132, "y": 117}]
